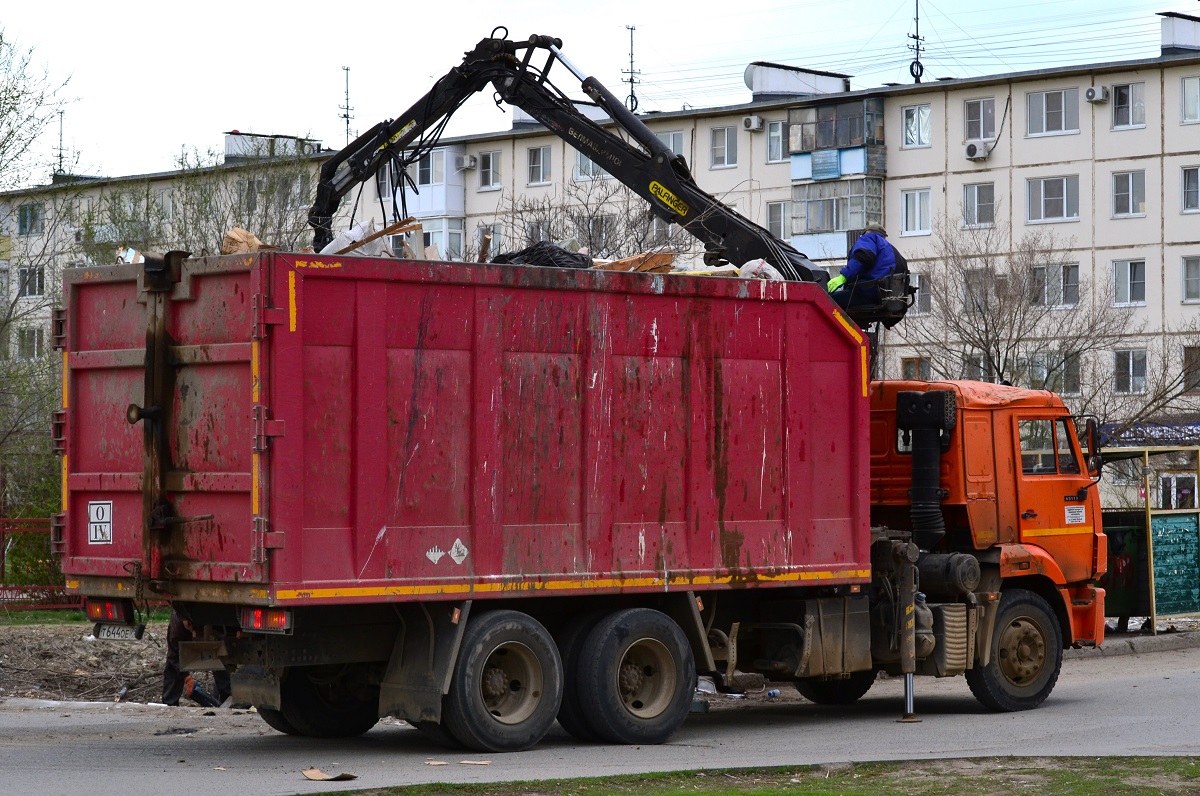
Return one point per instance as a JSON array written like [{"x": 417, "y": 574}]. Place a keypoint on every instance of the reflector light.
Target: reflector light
[
  {"x": 267, "y": 620},
  {"x": 116, "y": 611}
]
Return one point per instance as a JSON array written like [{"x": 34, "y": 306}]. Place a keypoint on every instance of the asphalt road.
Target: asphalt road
[{"x": 1104, "y": 704}]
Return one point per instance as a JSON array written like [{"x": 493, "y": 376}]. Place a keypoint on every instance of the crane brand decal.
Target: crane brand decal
[
  {"x": 100, "y": 522},
  {"x": 669, "y": 199}
]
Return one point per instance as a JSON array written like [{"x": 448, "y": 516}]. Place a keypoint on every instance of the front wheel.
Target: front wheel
[{"x": 1027, "y": 652}]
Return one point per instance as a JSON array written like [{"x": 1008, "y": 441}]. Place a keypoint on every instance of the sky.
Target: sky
[{"x": 144, "y": 81}]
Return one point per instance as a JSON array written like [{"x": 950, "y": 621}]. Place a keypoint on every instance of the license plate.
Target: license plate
[{"x": 119, "y": 632}]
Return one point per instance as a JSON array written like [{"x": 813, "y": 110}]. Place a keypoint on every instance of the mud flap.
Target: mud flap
[{"x": 422, "y": 663}]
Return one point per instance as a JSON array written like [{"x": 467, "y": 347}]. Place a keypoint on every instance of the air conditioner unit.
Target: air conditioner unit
[
  {"x": 1096, "y": 94},
  {"x": 752, "y": 123},
  {"x": 976, "y": 152},
  {"x": 465, "y": 162}
]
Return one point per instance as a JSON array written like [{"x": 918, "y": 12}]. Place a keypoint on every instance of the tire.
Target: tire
[
  {"x": 637, "y": 677},
  {"x": 836, "y": 692},
  {"x": 328, "y": 701},
  {"x": 276, "y": 721},
  {"x": 571, "y": 714},
  {"x": 1027, "y": 652},
  {"x": 507, "y": 684}
]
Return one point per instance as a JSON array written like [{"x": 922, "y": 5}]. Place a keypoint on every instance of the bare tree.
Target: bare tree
[
  {"x": 29, "y": 99},
  {"x": 1019, "y": 312}
]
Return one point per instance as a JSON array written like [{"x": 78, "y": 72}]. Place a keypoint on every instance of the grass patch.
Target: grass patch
[
  {"x": 1083, "y": 776},
  {"x": 73, "y": 616}
]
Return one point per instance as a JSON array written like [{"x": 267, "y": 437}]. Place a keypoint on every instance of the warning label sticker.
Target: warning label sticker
[
  {"x": 100, "y": 522},
  {"x": 1076, "y": 515}
]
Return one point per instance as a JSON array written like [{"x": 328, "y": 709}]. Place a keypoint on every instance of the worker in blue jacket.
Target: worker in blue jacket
[{"x": 872, "y": 258}]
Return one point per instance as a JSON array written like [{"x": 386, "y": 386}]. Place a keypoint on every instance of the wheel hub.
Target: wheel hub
[
  {"x": 646, "y": 678},
  {"x": 511, "y": 683},
  {"x": 1022, "y": 651}
]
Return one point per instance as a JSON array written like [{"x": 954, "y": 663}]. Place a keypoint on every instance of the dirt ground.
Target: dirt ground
[{"x": 66, "y": 662}]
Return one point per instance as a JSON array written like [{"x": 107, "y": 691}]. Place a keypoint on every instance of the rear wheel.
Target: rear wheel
[
  {"x": 571, "y": 714},
  {"x": 1026, "y": 656},
  {"x": 329, "y": 701},
  {"x": 845, "y": 691},
  {"x": 507, "y": 683},
  {"x": 637, "y": 677}
]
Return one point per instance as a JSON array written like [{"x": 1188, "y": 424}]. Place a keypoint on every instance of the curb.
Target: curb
[{"x": 1137, "y": 645}]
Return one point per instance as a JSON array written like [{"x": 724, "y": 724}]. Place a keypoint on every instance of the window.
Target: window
[
  {"x": 31, "y": 281},
  {"x": 446, "y": 234},
  {"x": 537, "y": 231},
  {"x": 1056, "y": 285},
  {"x": 673, "y": 139},
  {"x": 1069, "y": 382},
  {"x": 1191, "y": 369},
  {"x": 979, "y": 204},
  {"x": 981, "y": 119},
  {"x": 777, "y": 213},
  {"x": 588, "y": 169},
  {"x": 431, "y": 168},
  {"x": 660, "y": 231},
  {"x": 1129, "y": 281},
  {"x": 977, "y": 289},
  {"x": 836, "y": 126},
  {"x": 914, "y": 212},
  {"x": 539, "y": 165},
  {"x": 975, "y": 366},
  {"x": 724, "y": 147},
  {"x": 776, "y": 151},
  {"x": 1130, "y": 371},
  {"x": 1191, "y": 99},
  {"x": 1129, "y": 105},
  {"x": 30, "y": 343},
  {"x": 915, "y": 368},
  {"x": 1053, "y": 199},
  {"x": 1191, "y": 189},
  {"x": 489, "y": 170},
  {"x": 836, "y": 205},
  {"x": 384, "y": 182},
  {"x": 601, "y": 229},
  {"x": 1053, "y": 112},
  {"x": 1191, "y": 278},
  {"x": 916, "y": 126},
  {"x": 1177, "y": 491},
  {"x": 1046, "y": 448},
  {"x": 1129, "y": 193},
  {"x": 31, "y": 219},
  {"x": 923, "y": 301}
]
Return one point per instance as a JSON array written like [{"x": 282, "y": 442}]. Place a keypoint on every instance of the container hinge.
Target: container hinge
[
  {"x": 58, "y": 430},
  {"x": 265, "y": 539},
  {"x": 264, "y": 316},
  {"x": 58, "y": 328},
  {"x": 264, "y": 429},
  {"x": 58, "y": 533}
]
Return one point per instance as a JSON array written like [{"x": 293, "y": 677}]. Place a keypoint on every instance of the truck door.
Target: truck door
[{"x": 1053, "y": 512}]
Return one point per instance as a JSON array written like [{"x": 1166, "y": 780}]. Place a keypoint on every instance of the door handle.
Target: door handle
[{"x": 1028, "y": 515}]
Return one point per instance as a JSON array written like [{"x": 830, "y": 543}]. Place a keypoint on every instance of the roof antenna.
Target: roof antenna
[
  {"x": 60, "y": 169},
  {"x": 345, "y": 109},
  {"x": 916, "y": 68},
  {"x": 631, "y": 101}
]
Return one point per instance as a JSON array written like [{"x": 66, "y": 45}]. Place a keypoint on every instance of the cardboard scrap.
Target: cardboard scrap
[
  {"x": 474, "y": 762},
  {"x": 317, "y": 775},
  {"x": 654, "y": 262},
  {"x": 436, "y": 763},
  {"x": 239, "y": 241}
]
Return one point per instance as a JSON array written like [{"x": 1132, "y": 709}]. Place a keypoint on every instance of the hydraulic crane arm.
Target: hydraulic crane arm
[{"x": 650, "y": 169}]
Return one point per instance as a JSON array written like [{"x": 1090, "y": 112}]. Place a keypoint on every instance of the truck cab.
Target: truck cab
[{"x": 1019, "y": 493}]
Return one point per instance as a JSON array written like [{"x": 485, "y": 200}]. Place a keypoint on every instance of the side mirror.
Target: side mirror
[{"x": 1095, "y": 460}]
